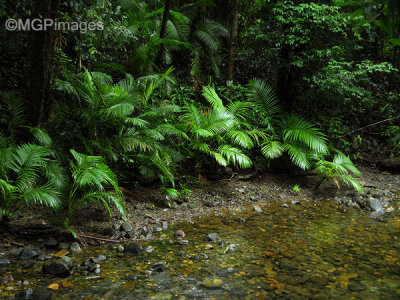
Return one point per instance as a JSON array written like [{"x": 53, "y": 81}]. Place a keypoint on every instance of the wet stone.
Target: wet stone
[
  {"x": 164, "y": 225},
  {"x": 75, "y": 248},
  {"x": 27, "y": 254},
  {"x": 4, "y": 261},
  {"x": 374, "y": 204},
  {"x": 133, "y": 249},
  {"x": 179, "y": 234},
  {"x": 15, "y": 252},
  {"x": 256, "y": 208},
  {"x": 211, "y": 237},
  {"x": 51, "y": 243},
  {"x": 67, "y": 261},
  {"x": 130, "y": 235},
  {"x": 158, "y": 267},
  {"x": 57, "y": 269},
  {"x": 126, "y": 226}
]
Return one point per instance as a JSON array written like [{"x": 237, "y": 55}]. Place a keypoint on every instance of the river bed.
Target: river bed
[{"x": 309, "y": 250}]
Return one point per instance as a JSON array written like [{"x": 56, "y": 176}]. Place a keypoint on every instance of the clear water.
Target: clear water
[{"x": 310, "y": 250}]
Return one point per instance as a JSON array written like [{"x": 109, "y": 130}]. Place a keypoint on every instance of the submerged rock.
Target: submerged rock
[
  {"x": 133, "y": 249},
  {"x": 211, "y": 237},
  {"x": 57, "y": 269},
  {"x": 27, "y": 254},
  {"x": 4, "y": 261},
  {"x": 256, "y": 208},
  {"x": 179, "y": 234},
  {"x": 374, "y": 204},
  {"x": 51, "y": 243},
  {"x": 158, "y": 267},
  {"x": 126, "y": 226},
  {"x": 75, "y": 248}
]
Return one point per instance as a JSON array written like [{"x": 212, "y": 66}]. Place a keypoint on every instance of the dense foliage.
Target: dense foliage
[{"x": 147, "y": 98}]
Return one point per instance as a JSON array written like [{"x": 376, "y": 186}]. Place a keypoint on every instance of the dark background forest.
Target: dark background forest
[{"x": 171, "y": 92}]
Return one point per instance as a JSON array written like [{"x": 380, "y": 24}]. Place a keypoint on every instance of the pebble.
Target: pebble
[
  {"x": 75, "y": 248},
  {"x": 126, "y": 226},
  {"x": 179, "y": 234},
  {"x": 256, "y": 208},
  {"x": 211, "y": 237}
]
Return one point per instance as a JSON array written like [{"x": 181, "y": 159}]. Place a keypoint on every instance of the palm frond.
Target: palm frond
[
  {"x": 272, "y": 149},
  {"x": 298, "y": 155},
  {"x": 240, "y": 138},
  {"x": 213, "y": 98},
  {"x": 296, "y": 129},
  {"x": 235, "y": 156},
  {"x": 45, "y": 195},
  {"x": 262, "y": 93}
]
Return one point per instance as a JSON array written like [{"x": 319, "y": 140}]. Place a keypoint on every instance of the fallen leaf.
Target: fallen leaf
[
  {"x": 67, "y": 284},
  {"x": 61, "y": 253},
  {"x": 54, "y": 286}
]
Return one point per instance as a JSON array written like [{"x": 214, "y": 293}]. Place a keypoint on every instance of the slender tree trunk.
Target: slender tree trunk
[
  {"x": 233, "y": 42},
  {"x": 164, "y": 29},
  {"x": 38, "y": 71},
  {"x": 165, "y": 18}
]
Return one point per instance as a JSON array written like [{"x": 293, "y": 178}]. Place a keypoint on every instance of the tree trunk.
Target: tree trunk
[
  {"x": 163, "y": 30},
  {"x": 165, "y": 18},
  {"x": 233, "y": 42},
  {"x": 39, "y": 64}
]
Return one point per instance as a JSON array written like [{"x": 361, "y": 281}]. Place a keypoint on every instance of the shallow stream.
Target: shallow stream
[{"x": 309, "y": 250}]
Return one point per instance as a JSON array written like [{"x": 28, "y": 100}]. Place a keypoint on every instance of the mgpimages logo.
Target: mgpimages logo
[{"x": 45, "y": 24}]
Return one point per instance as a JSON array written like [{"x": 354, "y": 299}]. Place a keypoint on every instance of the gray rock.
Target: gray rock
[
  {"x": 24, "y": 294},
  {"x": 16, "y": 252},
  {"x": 126, "y": 226},
  {"x": 374, "y": 204},
  {"x": 75, "y": 248},
  {"x": 4, "y": 261},
  {"x": 57, "y": 269},
  {"x": 179, "y": 234},
  {"x": 183, "y": 242},
  {"x": 67, "y": 261},
  {"x": 164, "y": 225},
  {"x": 130, "y": 235},
  {"x": 27, "y": 254},
  {"x": 158, "y": 267},
  {"x": 256, "y": 208},
  {"x": 211, "y": 237},
  {"x": 149, "y": 249},
  {"x": 285, "y": 205},
  {"x": 133, "y": 249},
  {"x": 51, "y": 243},
  {"x": 63, "y": 246}
]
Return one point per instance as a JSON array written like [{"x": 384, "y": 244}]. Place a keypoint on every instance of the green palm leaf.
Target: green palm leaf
[
  {"x": 296, "y": 129},
  {"x": 272, "y": 149},
  {"x": 235, "y": 156}
]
